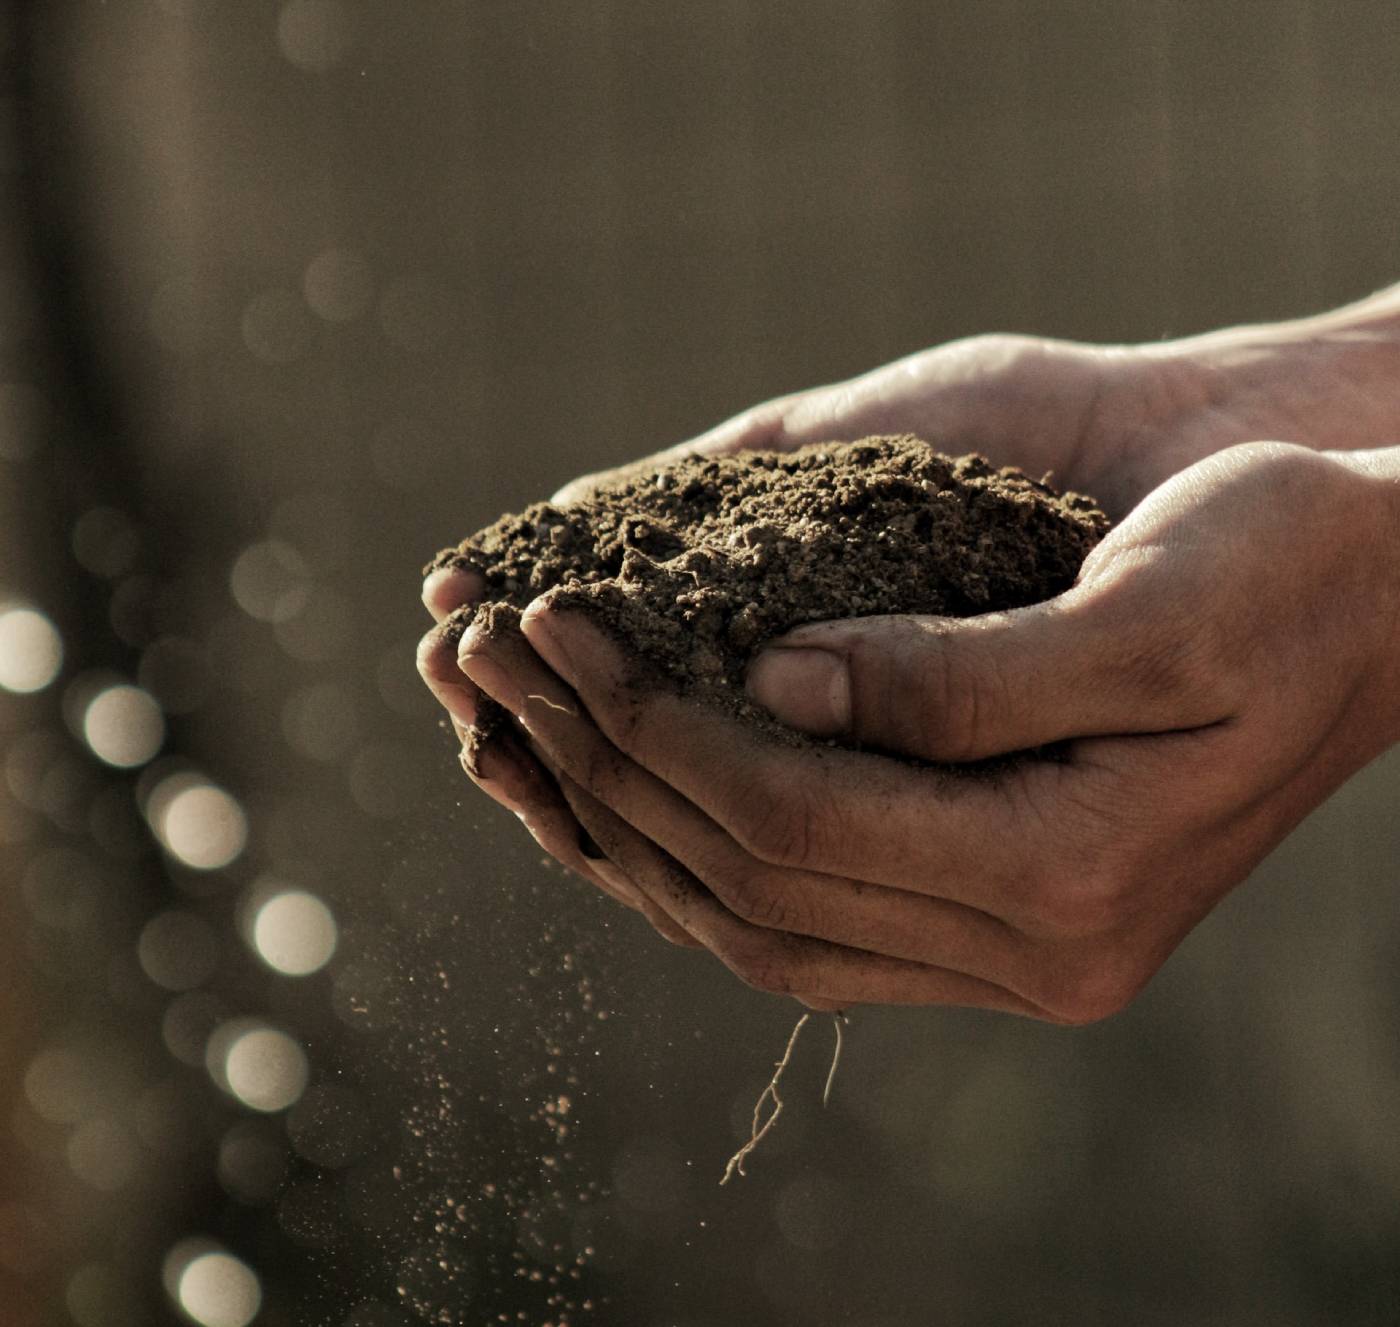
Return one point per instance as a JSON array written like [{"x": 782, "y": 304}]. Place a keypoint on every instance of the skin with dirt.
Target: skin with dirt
[{"x": 696, "y": 565}]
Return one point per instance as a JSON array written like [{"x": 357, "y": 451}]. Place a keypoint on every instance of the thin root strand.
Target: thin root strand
[
  {"x": 563, "y": 709},
  {"x": 838, "y": 1020},
  {"x": 759, "y": 1129}
]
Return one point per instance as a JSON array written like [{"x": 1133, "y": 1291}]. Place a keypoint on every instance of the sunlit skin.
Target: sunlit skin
[{"x": 1226, "y": 659}]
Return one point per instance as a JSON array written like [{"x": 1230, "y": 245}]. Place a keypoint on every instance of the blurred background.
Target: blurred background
[{"x": 297, "y": 1028}]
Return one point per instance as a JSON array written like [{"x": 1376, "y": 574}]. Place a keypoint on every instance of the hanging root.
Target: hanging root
[
  {"x": 759, "y": 1131},
  {"x": 838, "y": 1019}
]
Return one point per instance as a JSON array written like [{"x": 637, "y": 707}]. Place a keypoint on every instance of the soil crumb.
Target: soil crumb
[{"x": 695, "y": 565}]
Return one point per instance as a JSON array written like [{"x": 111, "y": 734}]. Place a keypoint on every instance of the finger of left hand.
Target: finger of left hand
[
  {"x": 445, "y": 589},
  {"x": 810, "y": 807},
  {"x": 764, "y": 902},
  {"x": 510, "y": 775},
  {"x": 813, "y": 970}
]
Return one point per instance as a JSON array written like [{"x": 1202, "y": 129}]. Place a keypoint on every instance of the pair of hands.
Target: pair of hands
[{"x": 1224, "y": 661}]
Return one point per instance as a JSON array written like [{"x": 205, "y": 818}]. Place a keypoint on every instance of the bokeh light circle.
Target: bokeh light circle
[
  {"x": 178, "y": 950},
  {"x": 253, "y": 1160},
  {"x": 262, "y": 1066},
  {"x": 59, "y": 1085},
  {"x": 105, "y": 542},
  {"x": 269, "y": 581},
  {"x": 199, "y": 824},
  {"x": 320, "y": 722},
  {"x": 31, "y": 650},
  {"x": 124, "y": 726},
  {"x": 295, "y": 933},
  {"x": 218, "y": 1290},
  {"x": 338, "y": 285},
  {"x": 103, "y": 1155},
  {"x": 97, "y": 1297}
]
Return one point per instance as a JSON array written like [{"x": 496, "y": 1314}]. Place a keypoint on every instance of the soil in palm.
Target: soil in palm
[{"x": 695, "y": 565}]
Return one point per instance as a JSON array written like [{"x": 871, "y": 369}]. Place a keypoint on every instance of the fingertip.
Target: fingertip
[
  {"x": 808, "y": 689},
  {"x": 571, "y": 492},
  {"x": 428, "y": 645},
  {"x": 540, "y": 613},
  {"x": 437, "y": 666},
  {"x": 446, "y": 589},
  {"x": 819, "y": 1004},
  {"x": 547, "y": 631},
  {"x": 473, "y": 640}
]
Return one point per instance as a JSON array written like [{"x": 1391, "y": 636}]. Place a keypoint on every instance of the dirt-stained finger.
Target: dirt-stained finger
[{"x": 445, "y": 589}]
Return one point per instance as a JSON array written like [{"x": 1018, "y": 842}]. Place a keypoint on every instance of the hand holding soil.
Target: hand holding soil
[{"x": 1223, "y": 662}]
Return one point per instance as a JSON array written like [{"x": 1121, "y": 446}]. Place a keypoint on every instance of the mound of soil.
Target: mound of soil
[{"x": 695, "y": 565}]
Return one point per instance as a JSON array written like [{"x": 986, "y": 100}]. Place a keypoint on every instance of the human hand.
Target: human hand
[
  {"x": 1111, "y": 421},
  {"x": 1225, "y": 660},
  {"x": 1114, "y": 421}
]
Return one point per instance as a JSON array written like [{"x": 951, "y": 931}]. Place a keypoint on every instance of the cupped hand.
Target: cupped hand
[
  {"x": 1112, "y": 421},
  {"x": 1225, "y": 660}
]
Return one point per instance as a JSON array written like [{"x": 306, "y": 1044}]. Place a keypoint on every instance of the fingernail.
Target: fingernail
[
  {"x": 806, "y": 689},
  {"x": 587, "y": 847},
  {"x": 492, "y": 679},
  {"x": 539, "y": 630}
]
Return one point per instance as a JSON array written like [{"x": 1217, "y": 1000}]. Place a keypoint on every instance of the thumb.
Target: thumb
[{"x": 950, "y": 689}]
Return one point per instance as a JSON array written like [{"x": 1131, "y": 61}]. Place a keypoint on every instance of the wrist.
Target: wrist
[
  {"x": 1329, "y": 381},
  {"x": 1379, "y": 472}
]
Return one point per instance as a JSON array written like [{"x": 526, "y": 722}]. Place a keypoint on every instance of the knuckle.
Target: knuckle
[
  {"x": 961, "y": 696},
  {"x": 771, "y": 821},
  {"x": 753, "y": 896},
  {"x": 620, "y": 716},
  {"x": 1186, "y": 660},
  {"x": 1094, "y": 986},
  {"x": 601, "y": 770},
  {"x": 1182, "y": 664},
  {"x": 759, "y": 963},
  {"x": 1090, "y": 901},
  {"x": 623, "y": 718},
  {"x": 935, "y": 681},
  {"x": 998, "y": 351},
  {"x": 778, "y": 834}
]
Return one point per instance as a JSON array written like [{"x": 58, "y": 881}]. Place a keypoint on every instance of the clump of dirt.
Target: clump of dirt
[{"x": 695, "y": 565}]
